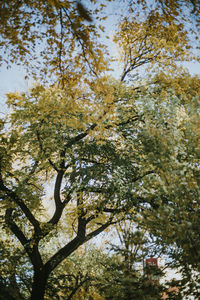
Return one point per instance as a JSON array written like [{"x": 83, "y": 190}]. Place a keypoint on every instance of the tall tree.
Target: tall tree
[
  {"x": 100, "y": 170},
  {"x": 101, "y": 147}
]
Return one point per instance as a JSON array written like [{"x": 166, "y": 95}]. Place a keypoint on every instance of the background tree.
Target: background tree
[{"x": 125, "y": 275}]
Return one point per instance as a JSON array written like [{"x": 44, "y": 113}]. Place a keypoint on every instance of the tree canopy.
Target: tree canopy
[{"x": 82, "y": 151}]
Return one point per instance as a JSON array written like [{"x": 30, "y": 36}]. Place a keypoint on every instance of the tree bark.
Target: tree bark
[{"x": 39, "y": 284}]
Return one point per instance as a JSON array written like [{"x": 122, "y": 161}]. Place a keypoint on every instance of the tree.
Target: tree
[
  {"x": 177, "y": 209},
  {"x": 23, "y": 186},
  {"x": 96, "y": 143},
  {"x": 125, "y": 276},
  {"x": 101, "y": 172}
]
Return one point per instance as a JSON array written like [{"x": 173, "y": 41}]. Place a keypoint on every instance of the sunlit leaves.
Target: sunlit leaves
[
  {"x": 53, "y": 37},
  {"x": 151, "y": 41}
]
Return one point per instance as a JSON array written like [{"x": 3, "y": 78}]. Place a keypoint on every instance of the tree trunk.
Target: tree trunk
[{"x": 39, "y": 284}]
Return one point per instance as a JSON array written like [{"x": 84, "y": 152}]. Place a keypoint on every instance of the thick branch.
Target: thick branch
[
  {"x": 98, "y": 230},
  {"x": 112, "y": 210},
  {"x": 143, "y": 175},
  {"x": 133, "y": 119},
  {"x": 15, "y": 229},
  {"x": 32, "y": 251},
  {"x": 59, "y": 209},
  {"x": 14, "y": 197},
  {"x": 81, "y": 217},
  {"x": 64, "y": 252},
  {"x": 79, "y": 137},
  {"x": 57, "y": 189}
]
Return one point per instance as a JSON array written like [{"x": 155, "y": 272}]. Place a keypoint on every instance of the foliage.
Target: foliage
[
  {"x": 55, "y": 37},
  {"x": 79, "y": 276},
  {"x": 16, "y": 272},
  {"x": 101, "y": 173},
  {"x": 60, "y": 39},
  {"x": 125, "y": 276},
  {"x": 81, "y": 151},
  {"x": 153, "y": 41},
  {"x": 183, "y": 12}
]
